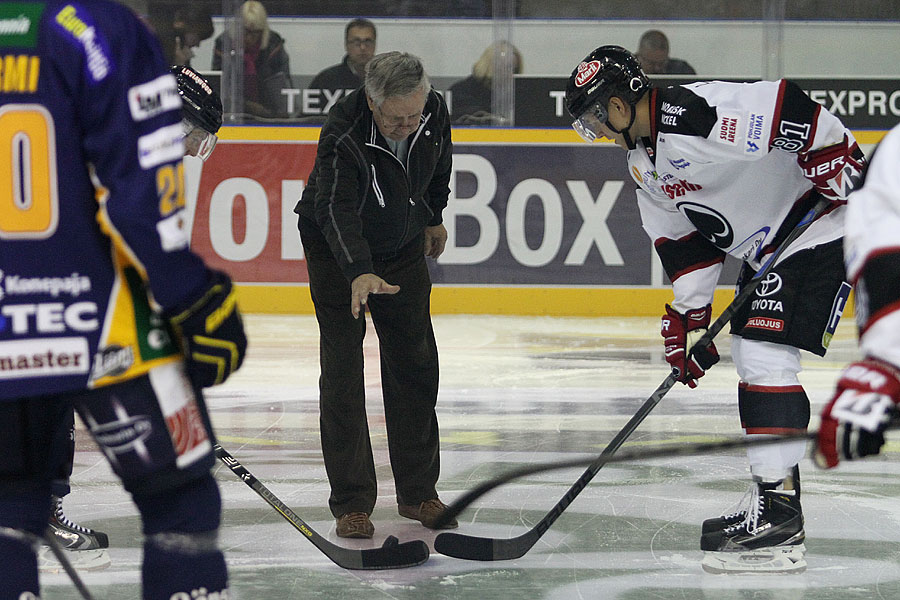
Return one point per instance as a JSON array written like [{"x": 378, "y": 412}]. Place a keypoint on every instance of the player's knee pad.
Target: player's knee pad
[
  {"x": 765, "y": 363},
  {"x": 194, "y": 507}
]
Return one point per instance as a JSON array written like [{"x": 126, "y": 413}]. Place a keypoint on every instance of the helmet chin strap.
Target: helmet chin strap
[{"x": 625, "y": 131}]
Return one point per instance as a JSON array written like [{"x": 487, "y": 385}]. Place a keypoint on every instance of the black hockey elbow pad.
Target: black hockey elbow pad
[{"x": 212, "y": 333}]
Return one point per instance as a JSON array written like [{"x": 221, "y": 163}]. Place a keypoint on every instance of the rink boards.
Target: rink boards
[{"x": 538, "y": 222}]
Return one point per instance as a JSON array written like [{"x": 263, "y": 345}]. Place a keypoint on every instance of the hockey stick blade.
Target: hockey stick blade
[
  {"x": 391, "y": 555},
  {"x": 469, "y": 547}
]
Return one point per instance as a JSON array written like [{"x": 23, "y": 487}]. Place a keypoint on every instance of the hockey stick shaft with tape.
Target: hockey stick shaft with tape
[
  {"x": 389, "y": 556},
  {"x": 464, "y": 546}
]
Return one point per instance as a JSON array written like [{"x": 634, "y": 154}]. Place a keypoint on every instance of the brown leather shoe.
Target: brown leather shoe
[
  {"x": 355, "y": 525},
  {"x": 426, "y": 513}
]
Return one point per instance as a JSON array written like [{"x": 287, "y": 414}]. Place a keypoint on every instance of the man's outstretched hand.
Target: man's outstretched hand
[{"x": 365, "y": 284}]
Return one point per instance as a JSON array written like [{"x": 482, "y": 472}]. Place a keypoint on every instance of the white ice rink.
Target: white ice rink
[{"x": 515, "y": 391}]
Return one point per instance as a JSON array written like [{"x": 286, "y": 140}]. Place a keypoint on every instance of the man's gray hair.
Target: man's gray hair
[{"x": 395, "y": 74}]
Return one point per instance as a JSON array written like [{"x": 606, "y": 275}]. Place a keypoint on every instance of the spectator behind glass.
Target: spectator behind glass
[
  {"x": 266, "y": 63},
  {"x": 653, "y": 52},
  {"x": 471, "y": 97},
  {"x": 359, "y": 42}
]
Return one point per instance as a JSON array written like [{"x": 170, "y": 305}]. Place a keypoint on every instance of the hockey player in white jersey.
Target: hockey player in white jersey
[
  {"x": 868, "y": 390},
  {"x": 731, "y": 168}
]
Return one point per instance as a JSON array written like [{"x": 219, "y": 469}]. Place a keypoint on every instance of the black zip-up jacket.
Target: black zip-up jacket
[{"x": 364, "y": 199}]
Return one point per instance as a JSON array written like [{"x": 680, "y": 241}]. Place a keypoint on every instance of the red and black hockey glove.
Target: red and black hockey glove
[
  {"x": 834, "y": 170},
  {"x": 863, "y": 405},
  {"x": 212, "y": 333},
  {"x": 681, "y": 332}
]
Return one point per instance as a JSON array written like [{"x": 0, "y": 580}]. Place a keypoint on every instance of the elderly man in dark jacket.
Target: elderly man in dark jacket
[{"x": 370, "y": 214}]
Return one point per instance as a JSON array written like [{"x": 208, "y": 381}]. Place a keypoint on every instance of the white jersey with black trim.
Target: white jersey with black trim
[
  {"x": 724, "y": 161},
  {"x": 873, "y": 231}
]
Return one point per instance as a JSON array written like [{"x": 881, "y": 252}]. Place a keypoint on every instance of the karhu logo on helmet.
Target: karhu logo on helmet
[{"x": 586, "y": 72}]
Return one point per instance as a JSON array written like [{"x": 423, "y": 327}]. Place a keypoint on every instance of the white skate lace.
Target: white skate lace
[
  {"x": 740, "y": 512},
  {"x": 64, "y": 520},
  {"x": 753, "y": 511}
]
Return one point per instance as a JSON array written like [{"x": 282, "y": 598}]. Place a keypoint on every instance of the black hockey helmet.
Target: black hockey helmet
[
  {"x": 606, "y": 72},
  {"x": 200, "y": 103},
  {"x": 201, "y": 111}
]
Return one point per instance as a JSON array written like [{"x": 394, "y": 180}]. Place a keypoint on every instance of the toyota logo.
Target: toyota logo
[{"x": 769, "y": 286}]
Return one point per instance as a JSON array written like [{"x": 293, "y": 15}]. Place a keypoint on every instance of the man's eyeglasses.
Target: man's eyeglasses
[{"x": 360, "y": 43}]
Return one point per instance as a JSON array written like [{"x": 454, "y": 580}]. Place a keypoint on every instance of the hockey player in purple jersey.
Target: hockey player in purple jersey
[
  {"x": 868, "y": 391},
  {"x": 201, "y": 111},
  {"x": 102, "y": 304},
  {"x": 731, "y": 168}
]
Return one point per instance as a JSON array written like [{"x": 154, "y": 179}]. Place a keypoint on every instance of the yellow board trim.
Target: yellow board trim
[
  {"x": 463, "y": 135},
  {"x": 540, "y": 301}
]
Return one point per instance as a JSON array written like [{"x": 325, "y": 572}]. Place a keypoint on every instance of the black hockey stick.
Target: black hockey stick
[
  {"x": 460, "y": 545},
  {"x": 391, "y": 555},
  {"x": 662, "y": 451},
  {"x": 29, "y": 539}
]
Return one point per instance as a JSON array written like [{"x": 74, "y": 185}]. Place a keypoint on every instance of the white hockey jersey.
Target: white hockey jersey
[
  {"x": 729, "y": 169},
  {"x": 873, "y": 241}
]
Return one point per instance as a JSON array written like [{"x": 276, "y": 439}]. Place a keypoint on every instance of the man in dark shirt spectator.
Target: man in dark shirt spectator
[
  {"x": 653, "y": 52},
  {"x": 349, "y": 74}
]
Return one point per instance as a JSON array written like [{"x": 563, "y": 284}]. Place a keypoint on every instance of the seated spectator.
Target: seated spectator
[
  {"x": 359, "y": 42},
  {"x": 266, "y": 63},
  {"x": 471, "y": 97},
  {"x": 653, "y": 52}
]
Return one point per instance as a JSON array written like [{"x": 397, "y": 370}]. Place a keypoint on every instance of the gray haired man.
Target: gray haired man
[{"x": 368, "y": 218}]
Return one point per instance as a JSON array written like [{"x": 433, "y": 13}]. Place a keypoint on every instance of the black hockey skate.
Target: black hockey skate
[
  {"x": 768, "y": 540},
  {"x": 71, "y": 536},
  {"x": 731, "y": 519},
  {"x": 86, "y": 546}
]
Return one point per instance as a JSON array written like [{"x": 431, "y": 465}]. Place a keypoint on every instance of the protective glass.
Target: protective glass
[
  {"x": 589, "y": 123},
  {"x": 197, "y": 141}
]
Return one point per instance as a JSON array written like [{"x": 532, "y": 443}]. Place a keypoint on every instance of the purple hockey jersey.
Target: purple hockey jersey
[{"x": 91, "y": 198}]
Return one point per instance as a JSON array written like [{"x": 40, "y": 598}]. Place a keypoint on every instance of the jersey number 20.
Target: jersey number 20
[{"x": 29, "y": 204}]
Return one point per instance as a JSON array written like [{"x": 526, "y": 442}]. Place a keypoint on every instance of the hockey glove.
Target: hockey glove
[
  {"x": 834, "y": 170},
  {"x": 212, "y": 333},
  {"x": 863, "y": 405},
  {"x": 681, "y": 332}
]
